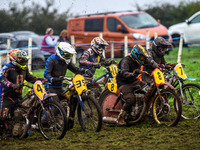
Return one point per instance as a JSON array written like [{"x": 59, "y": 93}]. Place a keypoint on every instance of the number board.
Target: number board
[
  {"x": 114, "y": 70},
  {"x": 79, "y": 82},
  {"x": 178, "y": 69},
  {"x": 158, "y": 77},
  {"x": 112, "y": 87},
  {"x": 39, "y": 89}
]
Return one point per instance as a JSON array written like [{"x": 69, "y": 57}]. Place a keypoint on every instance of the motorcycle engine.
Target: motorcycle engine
[{"x": 137, "y": 108}]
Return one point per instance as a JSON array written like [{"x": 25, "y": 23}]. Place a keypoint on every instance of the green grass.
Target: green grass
[{"x": 145, "y": 135}]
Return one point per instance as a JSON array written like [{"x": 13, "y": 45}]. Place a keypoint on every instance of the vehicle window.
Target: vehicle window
[
  {"x": 34, "y": 44},
  {"x": 14, "y": 44},
  {"x": 94, "y": 24},
  {"x": 21, "y": 36},
  {"x": 3, "y": 40},
  {"x": 23, "y": 44},
  {"x": 112, "y": 25},
  {"x": 138, "y": 21},
  {"x": 196, "y": 19}
]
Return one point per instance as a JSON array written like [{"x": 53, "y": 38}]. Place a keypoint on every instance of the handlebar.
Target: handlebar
[{"x": 67, "y": 79}]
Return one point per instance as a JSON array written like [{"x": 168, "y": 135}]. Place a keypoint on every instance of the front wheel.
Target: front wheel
[
  {"x": 90, "y": 115},
  {"x": 52, "y": 120},
  {"x": 167, "y": 108},
  {"x": 191, "y": 101}
]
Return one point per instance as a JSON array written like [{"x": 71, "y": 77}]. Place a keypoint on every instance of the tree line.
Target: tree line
[{"x": 37, "y": 18}]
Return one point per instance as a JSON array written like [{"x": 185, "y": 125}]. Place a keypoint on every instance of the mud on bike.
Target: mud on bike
[
  {"x": 189, "y": 92},
  {"x": 51, "y": 117},
  {"x": 163, "y": 104},
  {"x": 88, "y": 110}
]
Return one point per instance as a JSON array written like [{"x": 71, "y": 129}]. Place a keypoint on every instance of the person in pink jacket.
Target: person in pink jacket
[{"x": 48, "y": 43}]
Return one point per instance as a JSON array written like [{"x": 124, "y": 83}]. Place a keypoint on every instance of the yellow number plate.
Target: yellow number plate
[
  {"x": 112, "y": 87},
  {"x": 178, "y": 69},
  {"x": 158, "y": 77},
  {"x": 114, "y": 70},
  {"x": 39, "y": 89},
  {"x": 79, "y": 82}
]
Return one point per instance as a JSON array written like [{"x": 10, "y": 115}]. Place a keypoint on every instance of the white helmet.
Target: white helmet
[{"x": 65, "y": 51}]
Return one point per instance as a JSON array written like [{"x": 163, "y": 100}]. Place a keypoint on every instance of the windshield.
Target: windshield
[{"x": 138, "y": 21}]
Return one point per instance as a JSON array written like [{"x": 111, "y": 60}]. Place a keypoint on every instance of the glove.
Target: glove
[
  {"x": 41, "y": 79},
  {"x": 169, "y": 66},
  {"x": 15, "y": 86},
  {"x": 137, "y": 71},
  {"x": 113, "y": 62},
  {"x": 97, "y": 65},
  {"x": 88, "y": 72},
  {"x": 57, "y": 79},
  {"x": 162, "y": 66}
]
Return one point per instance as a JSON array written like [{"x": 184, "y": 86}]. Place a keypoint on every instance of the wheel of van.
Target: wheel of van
[
  {"x": 176, "y": 40},
  {"x": 37, "y": 64}
]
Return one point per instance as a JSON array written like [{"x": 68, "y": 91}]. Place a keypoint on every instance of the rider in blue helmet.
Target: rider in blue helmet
[{"x": 129, "y": 69}]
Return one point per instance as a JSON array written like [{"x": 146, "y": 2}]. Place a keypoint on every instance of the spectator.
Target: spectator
[
  {"x": 48, "y": 43},
  {"x": 63, "y": 36}
]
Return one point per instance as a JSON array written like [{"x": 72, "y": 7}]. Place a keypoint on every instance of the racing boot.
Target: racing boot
[
  {"x": 18, "y": 119},
  {"x": 120, "y": 119}
]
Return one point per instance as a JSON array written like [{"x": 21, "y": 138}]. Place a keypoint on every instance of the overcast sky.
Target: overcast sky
[{"x": 94, "y": 6}]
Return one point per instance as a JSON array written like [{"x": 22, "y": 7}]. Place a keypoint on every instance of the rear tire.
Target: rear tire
[{"x": 107, "y": 101}]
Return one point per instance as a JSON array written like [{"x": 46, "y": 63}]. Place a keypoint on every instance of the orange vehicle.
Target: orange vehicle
[{"x": 114, "y": 26}]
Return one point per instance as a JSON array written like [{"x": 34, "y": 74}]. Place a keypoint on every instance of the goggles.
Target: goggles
[
  {"x": 65, "y": 55},
  {"x": 102, "y": 47},
  {"x": 160, "y": 48},
  {"x": 141, "y": 57},
  {"x": 22, "y": 61}
]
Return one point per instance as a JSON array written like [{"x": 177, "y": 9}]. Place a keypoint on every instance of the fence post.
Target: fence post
[
  {"x": 73, "y": 44},
  {"x": 147, "y": 40},
  {"x": 8, "y": 49},
  {"x": 112, "y": 50},
  {"x": 125, "y": 46},
  {"x": 155, "y": 35},
  {"x": 180, "y": 48},
  {"x": 101, "y": 36},
  {"x": 30, "y": 53}
]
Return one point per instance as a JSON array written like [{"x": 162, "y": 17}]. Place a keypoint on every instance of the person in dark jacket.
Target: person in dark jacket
[
  {"x": 11, "y": 76},
  {"x": 63, "y": 36},
  {"x": 92, "y": 59},
  {"x": 157, "y": 52},
  {"x": 128, "y": 70},
  {"x": 56, "y": 67}
]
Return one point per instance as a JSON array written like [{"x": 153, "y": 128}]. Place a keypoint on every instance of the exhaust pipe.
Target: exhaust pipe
[{"x": 109, "y": 120}]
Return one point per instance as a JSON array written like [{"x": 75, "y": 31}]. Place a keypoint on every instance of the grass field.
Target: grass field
[{"x": 145, "y": 135}]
